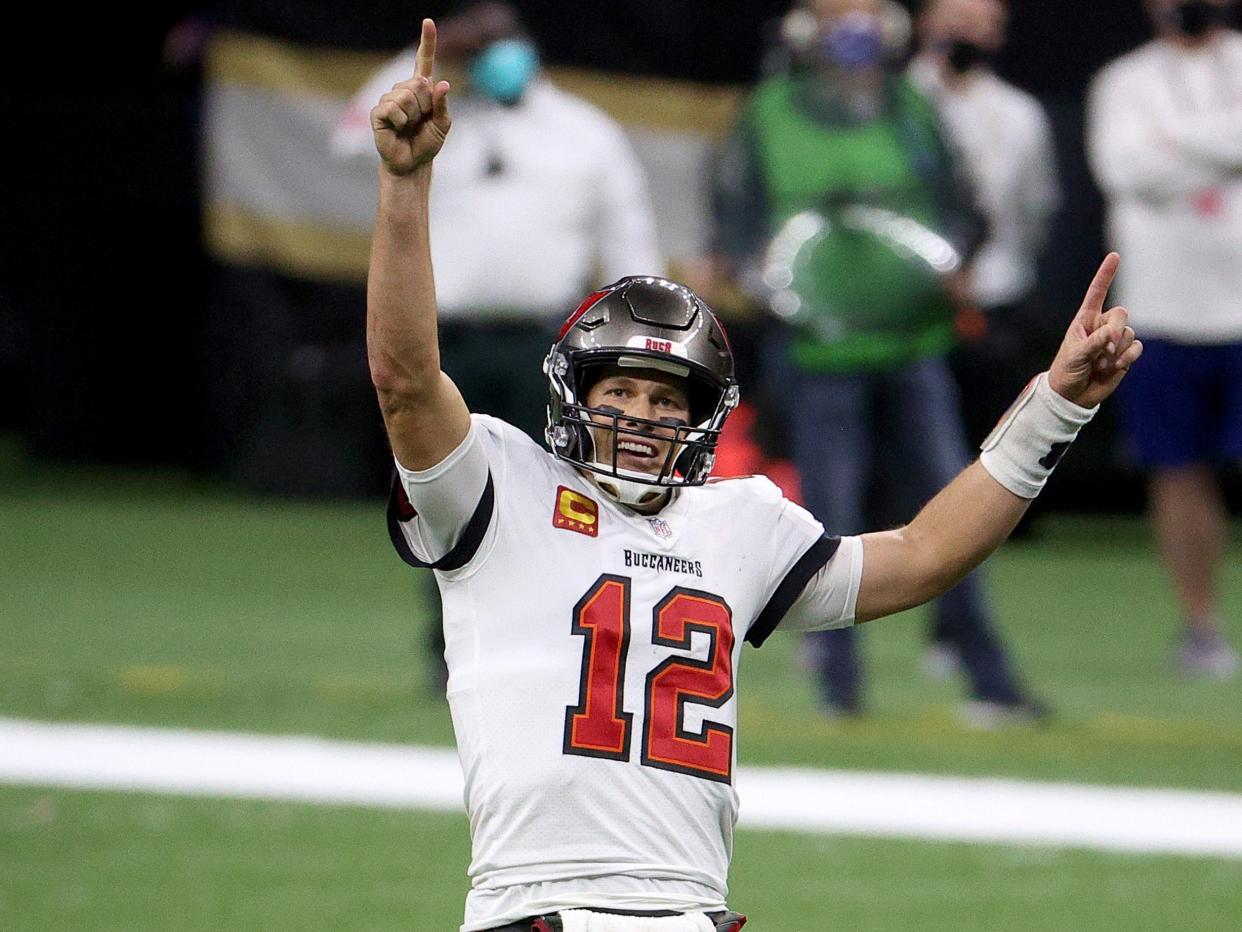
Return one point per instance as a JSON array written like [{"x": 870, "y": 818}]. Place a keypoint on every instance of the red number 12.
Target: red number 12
[{"x": 599, "y": 727}]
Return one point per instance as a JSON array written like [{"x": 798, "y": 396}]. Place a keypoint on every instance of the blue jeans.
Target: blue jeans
[{"x": 851, "y": 432}]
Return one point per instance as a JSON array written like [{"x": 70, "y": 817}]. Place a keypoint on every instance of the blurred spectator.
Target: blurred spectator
[
  {"x": 524, "y": 149},
  {"x": 541, "y": 199},
  {"x": 1165, "y": 141},
  {"x": 838, "y": 200},
  {"x": 1005, "y": 141}
]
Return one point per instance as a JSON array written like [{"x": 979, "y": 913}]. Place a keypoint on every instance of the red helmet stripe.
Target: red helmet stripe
[
  {"x": 587, "y": 303},
  {"x": 723, "y": 332}
]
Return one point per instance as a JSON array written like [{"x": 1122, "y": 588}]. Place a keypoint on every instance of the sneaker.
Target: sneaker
[
  {"x": 989, "y": 714},
  {"x": 841, "y": 710},
  {"x": 940, "y": 662},
  {"x": 1204, "y": 655}
]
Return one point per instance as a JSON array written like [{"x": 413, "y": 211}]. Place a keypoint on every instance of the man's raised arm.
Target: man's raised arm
[
  {"x": 423, "y": 411},
  {"x": 973, "y": 514}
]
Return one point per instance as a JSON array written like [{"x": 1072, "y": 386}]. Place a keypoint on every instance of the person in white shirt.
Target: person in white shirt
[
  {"x": 1165, "y": 143},
  {"x": 1003, "y": 136},
  {"x": 543, "y": 194},
  {"x": 596, "y": 597},
  {"x": 1004, "y": 141}
]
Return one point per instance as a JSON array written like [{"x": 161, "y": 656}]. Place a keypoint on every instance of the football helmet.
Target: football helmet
[{"x": 642, "y": 323}]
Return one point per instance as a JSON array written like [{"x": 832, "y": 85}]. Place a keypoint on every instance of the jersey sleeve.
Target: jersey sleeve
[
  {"x": 442, "y": 517},
  {"x": 829, "y": 598},
  {"x": 808, "y": 568}
]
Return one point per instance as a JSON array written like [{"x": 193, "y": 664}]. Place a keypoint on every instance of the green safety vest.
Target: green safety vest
[{"x": 864, "y": 305}]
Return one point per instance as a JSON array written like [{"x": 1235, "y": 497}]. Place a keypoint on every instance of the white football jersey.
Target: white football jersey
[{"x": 593, "y": 662}]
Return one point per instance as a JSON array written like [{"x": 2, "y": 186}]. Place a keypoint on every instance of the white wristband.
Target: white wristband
[{"x": 1030, "y": 439}]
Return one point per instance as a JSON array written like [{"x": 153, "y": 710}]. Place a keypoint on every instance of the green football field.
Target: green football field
[
  {"x": 156, "y": 600},
  {"x": 93, "y": 861}
]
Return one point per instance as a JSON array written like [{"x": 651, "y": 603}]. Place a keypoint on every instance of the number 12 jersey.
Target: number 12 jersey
[{"x": 593, "y": 673}]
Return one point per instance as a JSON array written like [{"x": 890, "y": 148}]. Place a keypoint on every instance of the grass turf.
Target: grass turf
[{"x": 73, "y": 860}]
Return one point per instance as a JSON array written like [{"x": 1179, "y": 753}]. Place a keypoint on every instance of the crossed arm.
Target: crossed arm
[{"x": 1138, "y": 148}]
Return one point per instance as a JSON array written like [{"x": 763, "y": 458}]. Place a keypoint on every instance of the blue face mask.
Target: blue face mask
[
  {"x": 854, "y": 43},
  {"x": 504, "y": 69}
]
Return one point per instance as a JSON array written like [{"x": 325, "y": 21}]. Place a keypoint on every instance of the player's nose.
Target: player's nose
[
  {"x": 646, "y": 409},
  {"x": 636, "y": 409}
]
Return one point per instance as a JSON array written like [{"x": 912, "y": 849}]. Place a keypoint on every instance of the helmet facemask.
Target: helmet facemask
[
  {"x": 640, "y": 323},
  {"x": 687, "y": 460}
]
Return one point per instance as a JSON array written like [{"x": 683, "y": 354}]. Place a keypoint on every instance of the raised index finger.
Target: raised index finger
[
  {"x": 1097, "y": 291},
  {"x": 425, "y": 60}
]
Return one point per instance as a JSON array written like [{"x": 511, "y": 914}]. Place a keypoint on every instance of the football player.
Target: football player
[{"x": 596, "y": 597}]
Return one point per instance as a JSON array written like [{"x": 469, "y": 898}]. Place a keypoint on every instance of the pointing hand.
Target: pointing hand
[{"x": 412, "y": 120}]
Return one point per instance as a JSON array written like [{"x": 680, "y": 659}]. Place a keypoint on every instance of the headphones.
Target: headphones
[{"x": 853, "y": 40}]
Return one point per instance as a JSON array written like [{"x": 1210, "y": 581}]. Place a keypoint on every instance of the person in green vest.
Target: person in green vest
[{"x": 839, "y": 205}]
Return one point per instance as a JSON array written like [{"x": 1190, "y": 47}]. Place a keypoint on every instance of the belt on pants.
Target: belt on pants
[{"x": 725, "y": 921}]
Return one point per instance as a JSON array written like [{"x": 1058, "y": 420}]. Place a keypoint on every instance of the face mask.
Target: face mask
[
  {"x": 504, "y": 70},
  {"x": 855, "y": 43},
  {"x": 962, "y": 56},
  {"x": 1195, "y": 18}
]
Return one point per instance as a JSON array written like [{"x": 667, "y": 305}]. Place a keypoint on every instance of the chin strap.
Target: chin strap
[{"x": 628, "y": 492}]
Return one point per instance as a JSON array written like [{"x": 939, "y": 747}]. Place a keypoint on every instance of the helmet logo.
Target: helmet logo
[
  {"x": 637, "y": 324},
  {"x": 575, "y": 512},
  {"x": 656, "y": 345}
]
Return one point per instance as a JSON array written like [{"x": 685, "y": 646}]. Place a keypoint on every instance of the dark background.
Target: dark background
[{"x": 104, "y": 284}]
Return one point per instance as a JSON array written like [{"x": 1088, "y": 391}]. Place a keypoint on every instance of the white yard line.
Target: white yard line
[{"x": 313, "y": 770}]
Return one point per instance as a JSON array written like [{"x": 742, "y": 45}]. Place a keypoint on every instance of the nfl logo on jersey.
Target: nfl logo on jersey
[{"x": 660, "y": 526}]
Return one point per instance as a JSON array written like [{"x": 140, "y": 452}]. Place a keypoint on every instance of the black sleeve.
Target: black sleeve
[
  {"x": 962, "y": 220},
  {"x": 739, "y": 197},
  {"x": 965, "y": 225},
  {"x": 400, "y": 510},
  {"x": 942, "y": 168},
  {"x": 789, "y": 588}
]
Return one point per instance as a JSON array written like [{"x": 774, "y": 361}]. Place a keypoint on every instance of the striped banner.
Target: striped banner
[{"x": 277, "y": 196}]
